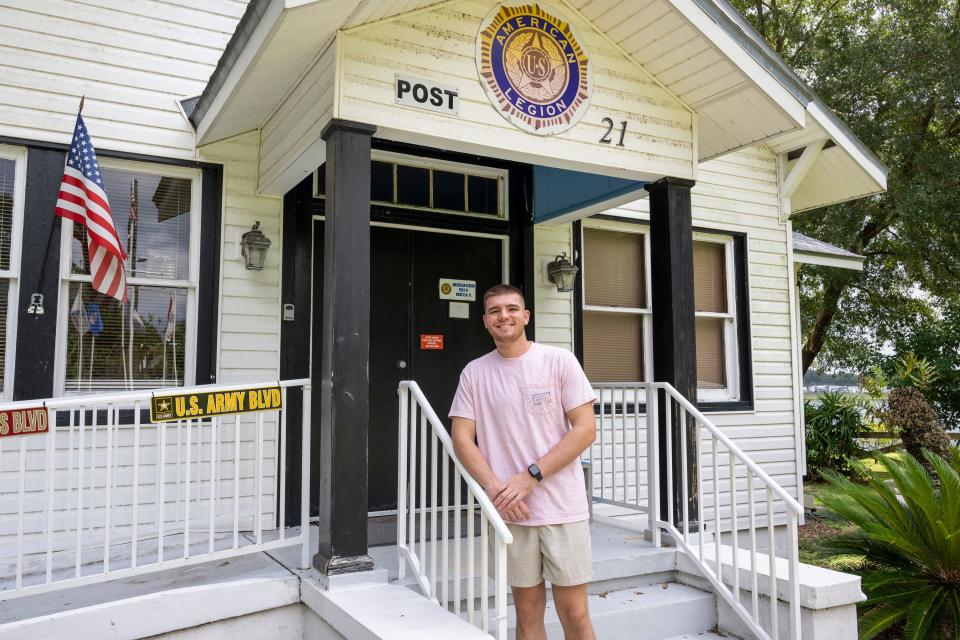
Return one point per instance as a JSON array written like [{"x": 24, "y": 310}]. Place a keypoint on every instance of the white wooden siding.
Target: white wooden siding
[
  {"x": 249, "y": 346},
  {"x": 737, "y": 193},
  {"x": 132, "y": 60},
  {"x": 296, "y": 125},
  {"x": 440, "y": 44}
]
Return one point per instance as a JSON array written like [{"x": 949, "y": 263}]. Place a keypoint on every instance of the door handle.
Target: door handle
[{"x": 401, "y": 364}]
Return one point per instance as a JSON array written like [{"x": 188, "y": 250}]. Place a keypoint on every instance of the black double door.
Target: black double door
[{"x": 408, "y": 320}]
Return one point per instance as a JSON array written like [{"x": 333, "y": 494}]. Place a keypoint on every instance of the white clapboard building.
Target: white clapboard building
[{"x": 312, "y": 197}]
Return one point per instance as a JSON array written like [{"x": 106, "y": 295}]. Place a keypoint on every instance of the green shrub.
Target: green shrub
[
  {"x": 832, "y": 426},
  {"x": 908, "y": 545}
]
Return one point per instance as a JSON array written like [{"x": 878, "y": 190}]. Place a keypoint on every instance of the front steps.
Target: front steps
[
  {"x": 634, "y": 595},
  {"x": 652, "y": 612}
]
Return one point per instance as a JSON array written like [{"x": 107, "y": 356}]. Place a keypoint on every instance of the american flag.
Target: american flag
[{"x": 83, "y": 199}]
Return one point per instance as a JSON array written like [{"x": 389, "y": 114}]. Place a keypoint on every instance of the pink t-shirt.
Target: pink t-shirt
[{"x": 520, "y": 405}]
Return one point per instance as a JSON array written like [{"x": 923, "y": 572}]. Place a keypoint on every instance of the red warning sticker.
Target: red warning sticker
[{"x": 431, "y": 341}]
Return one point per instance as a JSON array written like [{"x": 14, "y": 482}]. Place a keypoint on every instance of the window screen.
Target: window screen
[
  {"x": 614, "y": 272},
  {"x": 139, "y": 344},
  {"x": 152, "y": 216},
  {"x": 710, "y": 277},
  {"x": 613, "y": 346},
  {"x": 7, "y": 195},
  {"x": 711, "y": 363},
  {"x": 7, "y": 176}
]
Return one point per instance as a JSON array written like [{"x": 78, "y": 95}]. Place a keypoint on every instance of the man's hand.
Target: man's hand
[
  {"x": 516, "y": 513},
  {"x": 514, "y": 491}
]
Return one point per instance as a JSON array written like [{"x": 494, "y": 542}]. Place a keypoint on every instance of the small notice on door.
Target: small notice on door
[
  {"x": 216, "y": 403},
  {"x": 460, "y": 310},
  {"x": 431, "y": 341},
  {"x": 456, "y": 289}
]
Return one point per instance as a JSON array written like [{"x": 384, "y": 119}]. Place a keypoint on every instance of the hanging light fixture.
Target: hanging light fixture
[
  {"x": 254, "y": 245},
  {"x": 562, "y": 273}
]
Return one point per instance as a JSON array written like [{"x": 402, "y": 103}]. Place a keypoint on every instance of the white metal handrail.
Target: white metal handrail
[
  {"x": 106, "y": 494},
  {"x": 443, "y": 570},
  {"x": 621, "y": 414}
]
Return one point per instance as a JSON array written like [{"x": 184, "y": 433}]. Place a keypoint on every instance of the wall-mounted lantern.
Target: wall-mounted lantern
[
  {"x": 562, "y": 273},
  {"x": 253, "y": 246}
]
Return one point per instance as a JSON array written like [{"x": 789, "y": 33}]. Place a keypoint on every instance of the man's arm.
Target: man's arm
[
  {"x": 581, "y": 435},
  {"x": 465, "y": 446}
]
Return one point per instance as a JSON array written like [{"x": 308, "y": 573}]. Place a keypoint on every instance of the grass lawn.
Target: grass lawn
[{"x": 818, "y": 526}]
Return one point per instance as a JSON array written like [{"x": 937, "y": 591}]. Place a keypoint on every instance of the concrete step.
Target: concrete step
[
  {"x": 706, "y": 635},
  {"x": 652, "y": 612}
]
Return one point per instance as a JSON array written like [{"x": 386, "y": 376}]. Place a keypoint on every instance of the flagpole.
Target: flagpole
[
  {"x": 80, "y": 361},
  {"x": 176, "y": 381},
  {"x": 123, "y": 341}
]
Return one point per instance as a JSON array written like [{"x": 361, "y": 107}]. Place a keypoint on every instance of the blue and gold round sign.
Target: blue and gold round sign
[{"x": 533, "y": 67}]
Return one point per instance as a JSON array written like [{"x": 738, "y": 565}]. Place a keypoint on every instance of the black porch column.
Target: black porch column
[
  {"x": 342, "y": 376},
  {"x": 674, "y": 330}
]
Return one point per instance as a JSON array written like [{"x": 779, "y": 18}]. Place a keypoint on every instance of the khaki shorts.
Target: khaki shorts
[{"x": 559, "y": 553}]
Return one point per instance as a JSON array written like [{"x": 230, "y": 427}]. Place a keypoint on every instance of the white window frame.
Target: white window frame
[
  {"x": 502, "y": 176},
  {"x": 190, "y": 285},
  {"x": 731, "y": 347},
  {"x": 730, "y": 335},
  {"x": 19, "y": 157}
]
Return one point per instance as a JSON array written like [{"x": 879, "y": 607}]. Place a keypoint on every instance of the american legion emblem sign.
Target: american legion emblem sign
[{"x": 533, "y": 67}]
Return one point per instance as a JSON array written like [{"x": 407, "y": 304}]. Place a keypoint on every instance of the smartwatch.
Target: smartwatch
[{"x": 534, "y": 470}]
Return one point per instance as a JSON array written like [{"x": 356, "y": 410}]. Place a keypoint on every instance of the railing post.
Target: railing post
[
  {"x": 305, "y": 478},
  {"x": 653, "y": 463},
  {"x": 403, "y": 394}
]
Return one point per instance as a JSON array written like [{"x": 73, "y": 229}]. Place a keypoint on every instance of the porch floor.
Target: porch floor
[{"x": 180, "y": 598}]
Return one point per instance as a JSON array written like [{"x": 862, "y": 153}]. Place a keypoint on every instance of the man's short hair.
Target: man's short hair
[{"x": 501, "y": 290}]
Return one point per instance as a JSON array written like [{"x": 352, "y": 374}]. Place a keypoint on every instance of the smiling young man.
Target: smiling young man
[{"x": 522, "y": 416}]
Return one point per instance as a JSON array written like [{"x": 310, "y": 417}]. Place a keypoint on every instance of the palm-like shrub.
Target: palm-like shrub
[
  {"x": 832, "y": 426},
  {"x": 908, "y": 545}
]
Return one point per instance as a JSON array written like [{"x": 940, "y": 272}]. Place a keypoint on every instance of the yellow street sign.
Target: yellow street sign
[{"x": 215, "y": 403}]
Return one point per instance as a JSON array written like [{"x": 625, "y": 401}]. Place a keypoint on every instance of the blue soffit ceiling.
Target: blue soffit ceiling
[{"x": 561, "y": 195}]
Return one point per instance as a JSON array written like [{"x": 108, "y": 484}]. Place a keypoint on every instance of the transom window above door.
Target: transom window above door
[
  {"x": 399, "y": 180},
  {"x": 617, "y": 329}
]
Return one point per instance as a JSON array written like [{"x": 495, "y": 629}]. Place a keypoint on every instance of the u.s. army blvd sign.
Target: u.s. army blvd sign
[{"x": 216, "y": 403}]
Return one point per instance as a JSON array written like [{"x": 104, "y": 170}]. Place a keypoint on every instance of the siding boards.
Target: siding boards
[
  {"x": 132, "y": 60},
  {"x": 300, "y": 119}
]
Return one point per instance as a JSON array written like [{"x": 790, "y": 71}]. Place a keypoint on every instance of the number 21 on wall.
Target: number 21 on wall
[{"x": 606, "y": 139}]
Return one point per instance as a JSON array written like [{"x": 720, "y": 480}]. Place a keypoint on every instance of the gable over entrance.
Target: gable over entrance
[{"x": 675, "y": 81}]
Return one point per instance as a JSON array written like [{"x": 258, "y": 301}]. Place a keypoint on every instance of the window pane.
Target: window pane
[
  {"x": 483, "y": 195},
  {"x": 709, "y": 277},
  {"x": 711, "y": 367},
  {"x": 151, "y": 214},
  {"x": 413, "y": 186},
  {"x": 138, "y": 345},
  {"x": 4, "y": 294},
  {"x": 381, "y": 181},
  {"x": 613, "y": 347},
  {"x": 7, "y": 174},
  {"x": 448, "y": 191},
  {"x": 613, "y": 268}
]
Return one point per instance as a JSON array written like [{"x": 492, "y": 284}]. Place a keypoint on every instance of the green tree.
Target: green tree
[{"x": 891, "y": 70}]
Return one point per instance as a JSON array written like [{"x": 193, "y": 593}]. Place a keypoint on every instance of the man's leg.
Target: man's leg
[
  {"x": 574, "y": 613},
  {"x": 530, "y": 603}
]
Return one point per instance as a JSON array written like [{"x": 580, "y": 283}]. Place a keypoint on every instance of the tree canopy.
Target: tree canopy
[{"x": 891, "y": 70}]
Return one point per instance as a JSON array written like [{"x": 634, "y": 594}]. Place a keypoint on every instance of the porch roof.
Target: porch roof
[
  {"x": 701, "y": 51},
  {"x": 809, "y": 250}
]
